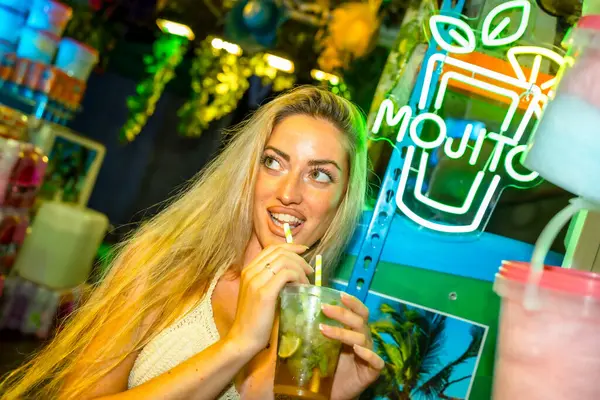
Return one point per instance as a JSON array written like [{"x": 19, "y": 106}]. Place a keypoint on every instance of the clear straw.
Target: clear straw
[
  {"x": 288, "y": 233},
  {"x": 318, "y": 270},
  {"x": 542, "y": 247}
]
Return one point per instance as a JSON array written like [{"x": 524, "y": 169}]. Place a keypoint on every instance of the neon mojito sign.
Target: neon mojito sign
[{"x": 525, "y": 91}]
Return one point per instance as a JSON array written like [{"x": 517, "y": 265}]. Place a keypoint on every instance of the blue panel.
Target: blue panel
[
  {"x": 480, "y": 258},
  {"x": 456, "y": 128},
  {"x": 374, "y": 238}
]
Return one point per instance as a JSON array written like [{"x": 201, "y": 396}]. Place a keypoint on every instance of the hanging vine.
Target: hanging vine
[
  {"x": 280, "y": 81},
  {"x": 168, "y": 51},
  {"x": 219, "y": 81},
  {"x": 341, "y": 89}
]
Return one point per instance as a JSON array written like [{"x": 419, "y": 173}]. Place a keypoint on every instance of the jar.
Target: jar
[{"x": 565, "y": 146}]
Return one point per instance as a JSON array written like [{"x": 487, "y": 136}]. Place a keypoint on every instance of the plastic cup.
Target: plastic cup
[
  {"x": 11, "y": 23},
  {"x": 21, "y": 6},
  {"x": 49, "y": 15},
  {"x": 552, "y": 351},
  {"x": 37, "y": 45},
  {"x": 549, "y": 322},
  {"x": 76, "y": 59},
  {"x": 306, "y": 359},
  {"x": 6, "y": 48},
  {"x": 566, "y": 140},
  {"x": 10, "y": 150}
]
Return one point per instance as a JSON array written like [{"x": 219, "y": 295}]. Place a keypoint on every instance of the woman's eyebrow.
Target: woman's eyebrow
[
  {"x": 323, "y": 162},
  {"x": 280, "y": 153},
  {"x": 312, "y": 163}
]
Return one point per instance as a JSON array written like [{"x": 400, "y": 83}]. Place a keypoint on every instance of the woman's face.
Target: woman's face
[{"x": 302, "y": 180}]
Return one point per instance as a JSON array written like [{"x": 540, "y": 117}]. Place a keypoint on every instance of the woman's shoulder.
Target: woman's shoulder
[{"x": 190, "y": 334}]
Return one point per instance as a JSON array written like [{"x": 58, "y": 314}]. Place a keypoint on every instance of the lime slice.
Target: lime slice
[{"x": 288, "y": 345}]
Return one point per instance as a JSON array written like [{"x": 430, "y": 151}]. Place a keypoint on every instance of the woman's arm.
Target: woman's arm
[
  {"x": 203, "y": 376},
  {"x": 206, "y": 374},
  {"x": 259, "y": 376}
]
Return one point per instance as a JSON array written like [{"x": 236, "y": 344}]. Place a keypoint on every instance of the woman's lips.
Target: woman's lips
[{"x": 276, "y": 226}]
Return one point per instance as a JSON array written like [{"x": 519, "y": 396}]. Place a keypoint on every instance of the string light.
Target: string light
[
  {"x": 321, "y": 76},
  {"x": 279, "y": 63},
  {"x": 175, "y": 28},
  {"x": 231, "y": 48}
]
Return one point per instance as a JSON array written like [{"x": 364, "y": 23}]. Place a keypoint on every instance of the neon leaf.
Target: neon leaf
[
  {"x": 539, "y": 54},
  {"x": 491, "y": 37},
  {"x": 461, "y": 34}
]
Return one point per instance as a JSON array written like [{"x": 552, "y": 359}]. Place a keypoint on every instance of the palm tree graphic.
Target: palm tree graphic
[{"x": 411, "y": 343}]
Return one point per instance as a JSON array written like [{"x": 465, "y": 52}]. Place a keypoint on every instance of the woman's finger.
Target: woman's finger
[
  {"x": 289, "y": 259},
  {"x": 345, "y": 316},
  {"x": 356, "y": 305},
  {"x": 345, "y": 336},
  {"x": 272, "y": 269},
  {"x": 370, "y": 357},
  {"x": 258, "y": 265},
  {"x": 272, "y": 289},
  {"x": 308, "y": 270},
  {"x": 262, "y": 279},
  {"x": 269, "y": 255}
]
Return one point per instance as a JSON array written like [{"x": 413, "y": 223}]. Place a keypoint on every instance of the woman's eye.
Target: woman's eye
[
  {"x": 271, "y": 163},
  {"x": 321, "y": 176}
]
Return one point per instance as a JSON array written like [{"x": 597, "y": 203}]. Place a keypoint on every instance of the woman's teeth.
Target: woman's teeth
[{"x": 280, "y": 219}]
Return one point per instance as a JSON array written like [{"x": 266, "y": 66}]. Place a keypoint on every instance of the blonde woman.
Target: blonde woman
[{"x": 188, "y": 309}]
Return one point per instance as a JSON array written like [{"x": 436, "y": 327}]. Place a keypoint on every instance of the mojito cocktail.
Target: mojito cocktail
[{"x": 306, "y": 360}]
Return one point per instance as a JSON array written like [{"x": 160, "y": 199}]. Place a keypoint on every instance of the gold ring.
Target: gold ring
[{"x": 268, "y": 266}]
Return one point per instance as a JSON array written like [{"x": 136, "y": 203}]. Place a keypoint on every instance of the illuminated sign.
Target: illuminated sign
[{"x": 524, "y": 90}]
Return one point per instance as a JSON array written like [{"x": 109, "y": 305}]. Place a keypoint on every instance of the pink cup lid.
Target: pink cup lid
[
  {"x": 571, "y": 281},
  {"x": 589, "y": 22}
]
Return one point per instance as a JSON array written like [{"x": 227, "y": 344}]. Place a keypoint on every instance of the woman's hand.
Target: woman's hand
[
  {"x": 359, "y": 365},
  {"x": 261, "y": 282}
]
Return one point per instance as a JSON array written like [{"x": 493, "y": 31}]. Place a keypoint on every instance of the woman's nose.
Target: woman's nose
[{"x": 290, "y": 189}]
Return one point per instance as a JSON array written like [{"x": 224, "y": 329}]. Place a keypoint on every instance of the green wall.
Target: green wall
[{"x": 475, "y": 301}]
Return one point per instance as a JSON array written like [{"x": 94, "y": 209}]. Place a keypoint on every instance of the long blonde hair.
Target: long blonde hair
[{"x": 176, "y": 254}]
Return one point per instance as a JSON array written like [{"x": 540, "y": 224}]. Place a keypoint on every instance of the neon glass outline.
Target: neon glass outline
[{"x": 491, "y": 39}]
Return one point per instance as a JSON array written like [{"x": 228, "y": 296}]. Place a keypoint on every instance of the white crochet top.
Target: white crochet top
[{"x": 185, "y": 338}]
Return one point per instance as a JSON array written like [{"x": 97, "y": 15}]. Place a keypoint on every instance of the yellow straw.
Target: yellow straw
[
  {"x": 318, "y": 270},
  {"x": 315, "y": 381},
  {"x": 288, "y": 233}
]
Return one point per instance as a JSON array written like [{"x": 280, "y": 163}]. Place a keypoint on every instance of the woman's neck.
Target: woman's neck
[{"x": 253, "y": 249}]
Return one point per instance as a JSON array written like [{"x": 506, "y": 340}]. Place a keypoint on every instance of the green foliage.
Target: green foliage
[
  {"x": 341, "y": 89},
  {"x": 168, "y": 52},
  {"x": 300, "y": 317},
  {"x": 219, "y": 80}
]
